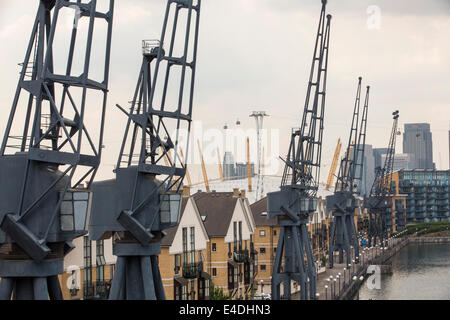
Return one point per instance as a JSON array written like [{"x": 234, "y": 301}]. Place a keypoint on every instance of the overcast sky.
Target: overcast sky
[{"x": 256, "y": 55}]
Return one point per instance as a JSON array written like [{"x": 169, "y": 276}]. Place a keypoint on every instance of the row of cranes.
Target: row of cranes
[{"x": 44, "y": 207}]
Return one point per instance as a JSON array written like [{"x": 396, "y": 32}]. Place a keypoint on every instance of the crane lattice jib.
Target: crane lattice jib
[
  {"x": 383, "y": 176},
  {"x": 302, "y": 165},
  {"x": 346, "y": 169},
  {"x": 361, "y": 144},
  {"x": 155, "y": 116}
]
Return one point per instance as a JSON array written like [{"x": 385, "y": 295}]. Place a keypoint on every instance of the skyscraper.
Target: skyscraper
[
  {"x": 228, "y": 166},
  {"x": 377, "y": 153},
  {"x": 417, "y": 140},
  {"x": 368, "y": 174},
  {"x": 402, "y": 161}
]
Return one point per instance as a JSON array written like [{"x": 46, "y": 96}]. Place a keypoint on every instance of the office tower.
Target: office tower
[
  {"x": 417, "y": 140},
  {"x": 377, "y": 153}
]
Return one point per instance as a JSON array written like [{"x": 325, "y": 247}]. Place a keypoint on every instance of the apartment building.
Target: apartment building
[
  {"x": 230, "y": 255},
  {"x": 265, "y": 242},
  {"x": 182, "y": 258},
  {"x": 426, "y": 193}
]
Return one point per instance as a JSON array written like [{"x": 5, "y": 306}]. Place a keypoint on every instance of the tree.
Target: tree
[{"x": 217, "y": 294}]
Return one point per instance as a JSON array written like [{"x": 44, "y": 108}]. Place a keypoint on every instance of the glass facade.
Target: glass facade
[{"x": 427, "y": 195}]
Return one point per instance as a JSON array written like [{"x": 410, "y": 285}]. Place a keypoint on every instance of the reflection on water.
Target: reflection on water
[{"x": 419, "y": 271}]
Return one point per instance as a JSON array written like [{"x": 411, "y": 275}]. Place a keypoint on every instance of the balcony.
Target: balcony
[
  {"x": 97, "y": 290},
  {"x": 241, "y": 256},
  {"x": 192, "y": 270}
]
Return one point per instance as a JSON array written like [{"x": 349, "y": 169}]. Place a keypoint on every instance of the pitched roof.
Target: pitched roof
[
  {"x": 170, "y": 233},
  {"x": 218, "y": 209},
  {"x": 258, "y": 208}
]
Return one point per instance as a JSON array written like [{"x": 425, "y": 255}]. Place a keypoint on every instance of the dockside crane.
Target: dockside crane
[
  {"x": 144, "y": 199},
  {"x": 345, "y": 199},
  {"x": 48, "y": 157},
  {"x": 378, "y": 203},
  {"x": 296, "y": 200}
]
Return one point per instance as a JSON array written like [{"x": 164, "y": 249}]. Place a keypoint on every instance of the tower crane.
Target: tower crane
[
  {"x": 44, "y": 201},
  {"x": 345, "y": 199},
  {"x": 144, "y": 199},
  {"x": 205, "y": 174},
  {"x": 334, "y": 165},
  {"x": 378, "y": 203},
  {"x": 296, "y": 200}
]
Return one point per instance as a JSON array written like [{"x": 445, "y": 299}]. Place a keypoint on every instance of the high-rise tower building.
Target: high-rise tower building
[
  {"x": 417, "y": 140},
  {"x": 368, "y": 173},
  {"x": 377, "y": 153}
]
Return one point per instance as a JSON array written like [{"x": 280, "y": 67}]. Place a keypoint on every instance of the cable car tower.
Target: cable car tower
[
  {"x": 43, "y": 204},
  {"x": 296, "y": 200},
  {"x": 345, "y": 199},
  {"x": 145, "y": 198},
  {"x": 378, "y": 202}
]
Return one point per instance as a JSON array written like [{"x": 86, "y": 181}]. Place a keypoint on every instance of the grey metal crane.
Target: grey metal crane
[
  {"x": 145, "y": 199},
  {"x": 43, "y": 206},
  {"x": 378, "y": 202},
  {"x": 296, "y": 200},
  {"x": 345, "y": 200}
]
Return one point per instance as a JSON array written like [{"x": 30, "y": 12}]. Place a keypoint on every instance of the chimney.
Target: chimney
[
  {"x": 243, "y": 193},
  {"x": 186, "y": 191},
  {"x": 236, "y": 192}
]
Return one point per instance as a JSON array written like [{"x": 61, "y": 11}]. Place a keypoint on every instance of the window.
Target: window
[
  {"x": 214, "y": 272},
  {"x": 262, "y": 250},
  {"x": 192, "y": 245},
  {"x": 235, "y": 235},
  {"x": 263, "y": 267},
  {"x": 230, "y": 277},
  {"x": 185, "y": 249},
  {"x": 240, "y": 235},
  {"x": 214, "y": 247},
  {"x": 262, "y": 233},
  {"x": 73, "y": 211},
  {"x": 274, "y": 232},
  {"x": 177, "y": 263},
  {"x": 100, "y": 261},
  {"x": 87, "y": 248},
  {"x": 192, "y": 293}
]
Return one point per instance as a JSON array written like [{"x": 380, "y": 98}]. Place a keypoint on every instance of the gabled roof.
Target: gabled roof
[
  {"x": 218, "y": 209},
  {"x": 262, "y": 220}
]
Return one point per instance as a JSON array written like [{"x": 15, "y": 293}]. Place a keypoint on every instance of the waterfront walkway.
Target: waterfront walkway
[{"x": 338, "y": 283}]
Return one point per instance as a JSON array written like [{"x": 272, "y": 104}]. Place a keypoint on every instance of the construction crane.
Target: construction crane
[
  {"x": 249, "y": 166},
  {"x": 144, "y": 199},
  {"x": 205, "y": 175},
  {"x": 345, "y": 199},
  {"x": 334, "y": 165},
  {"x": 188, "y": 176},
  {"x": 44, "y": 200},
  {"x": 296, "y": 200},
  {"x": 219, "y": 162},
  {"x": 378, "y": 203}
]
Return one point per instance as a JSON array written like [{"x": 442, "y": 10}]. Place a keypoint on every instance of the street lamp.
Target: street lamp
[
  {"x": 334, "y": 288},
  {"x": 326, "y": 292},
  {"x": 339, "y": 277},
  {"x": 345, "y": 269},
  {"x": 317, "y": 296}
]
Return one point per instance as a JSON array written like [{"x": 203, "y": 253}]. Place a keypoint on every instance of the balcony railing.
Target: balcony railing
[
  {"x": 192, "y": 270},
  {"x": 97, "y": 290},
  {"x": 241, "y": 256}
]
